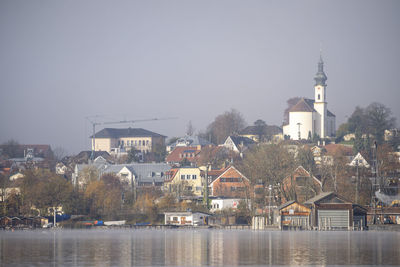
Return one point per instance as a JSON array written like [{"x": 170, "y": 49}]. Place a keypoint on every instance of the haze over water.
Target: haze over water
[{"x": 197, "y": 248}]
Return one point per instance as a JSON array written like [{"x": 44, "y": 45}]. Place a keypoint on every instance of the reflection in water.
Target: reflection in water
[{"x": 197, "y": 248}]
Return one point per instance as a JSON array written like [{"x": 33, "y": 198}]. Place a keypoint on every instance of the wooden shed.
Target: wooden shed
[
  {"x": 294, "y": 216},
  {"x": 332, "y": 212}
]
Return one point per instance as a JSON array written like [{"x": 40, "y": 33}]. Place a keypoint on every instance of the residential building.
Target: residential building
[
  {"x": 219, "y": 204},
  {"x": 359, "y": 161},
  {"x": 294, "y": 215},
  {"x": 114, "y": 140},
  {"x": 330, "y": 211},
  {"x": 300, "y": 185},
  {"x": 185, "y": 218},
  {"x": 133, "y": 175},
  {"x": 311, "y": 116},
  {"x": 182, "y": 153},
  {"x": 238, "y": 144},
  {"x": 185, "y": 181},
  {"x": 188, "y": 141},
  {"x": 230, "y": 184}
]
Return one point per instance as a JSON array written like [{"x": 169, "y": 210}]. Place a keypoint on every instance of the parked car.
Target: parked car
[{"x": 48, "y": 225}]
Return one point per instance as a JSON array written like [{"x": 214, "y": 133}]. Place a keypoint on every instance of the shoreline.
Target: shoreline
[{"x": 371, "y": 228}]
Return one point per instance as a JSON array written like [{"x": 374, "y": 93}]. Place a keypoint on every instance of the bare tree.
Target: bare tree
[
  {"x": 59, "y": 153},
  {"x": 226, "y": 124},
  {"x": 290, "y": 103},
  {"x": 190, "y": 129}
]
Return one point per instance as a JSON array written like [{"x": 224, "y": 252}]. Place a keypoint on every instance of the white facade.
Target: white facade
[
  {"x": 224, "y": 203},
  {"x": 301, "y": 123},
  {"x": 185, "y": 218},
  {"x": 309, "y": 117}
]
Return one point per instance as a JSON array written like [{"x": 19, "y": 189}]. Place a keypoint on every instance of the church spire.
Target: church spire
[{"x": 320, "y": 78}]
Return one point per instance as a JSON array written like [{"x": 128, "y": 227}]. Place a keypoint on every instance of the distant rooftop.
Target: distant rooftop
[{"x": 125, "y": 132}]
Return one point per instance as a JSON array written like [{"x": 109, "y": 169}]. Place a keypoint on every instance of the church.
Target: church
[{"x": 311, "y": 117}]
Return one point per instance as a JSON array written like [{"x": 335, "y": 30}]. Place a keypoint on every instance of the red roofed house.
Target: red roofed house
[
  {"x": 230, "y": 184},
  {"x": 300, "y": 186},
  {"x": 180, "y": 154}
]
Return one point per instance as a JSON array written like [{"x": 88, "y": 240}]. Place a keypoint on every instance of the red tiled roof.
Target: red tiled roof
[
  {"x": 171, "y": 173},
  {"x": 304, "y": 105},
  {"x": 332, "y": 149},
  {"x": 181, "y": 153}
]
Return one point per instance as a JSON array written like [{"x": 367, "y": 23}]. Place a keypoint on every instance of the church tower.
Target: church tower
[{"x": 320, "y": 104}]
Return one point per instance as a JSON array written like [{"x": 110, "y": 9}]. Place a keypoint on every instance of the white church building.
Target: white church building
[{"x": 308, "y": 116}]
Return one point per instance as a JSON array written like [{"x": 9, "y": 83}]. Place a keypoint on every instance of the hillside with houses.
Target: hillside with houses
[{"x": 304, "y": 173}]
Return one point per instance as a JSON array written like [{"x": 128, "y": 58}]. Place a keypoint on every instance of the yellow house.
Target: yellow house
[
  {"x": 185, "y": 181},
  {"x": 117, "y": 140}
]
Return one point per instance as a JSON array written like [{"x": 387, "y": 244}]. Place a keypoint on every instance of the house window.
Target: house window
[
  {"x": 182, "y": 177},
  {"x": 194, "y": 177},
  {"x": 147, "y": 142},
  {"x": 122, "y": 142},
  {"x": 135, "y": 142},
  {"x": 188, "y": 177}
]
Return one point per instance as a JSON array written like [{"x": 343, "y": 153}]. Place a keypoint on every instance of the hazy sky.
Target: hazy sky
[{"x": 61, "y": 61}]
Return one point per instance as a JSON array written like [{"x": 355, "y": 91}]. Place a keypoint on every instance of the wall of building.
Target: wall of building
[
  {"x": 188, "y": 180},
  {"x": 103, "y": 144},
  {"x": 306, "y": 119}
]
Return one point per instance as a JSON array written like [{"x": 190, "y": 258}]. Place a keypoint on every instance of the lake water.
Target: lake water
[{"x": 197, "y": 248}]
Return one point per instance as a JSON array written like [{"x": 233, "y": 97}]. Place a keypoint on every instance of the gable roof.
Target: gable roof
[
  {"x": 125, "y": 132},
  {"x": 304, "y": 105},
  {"x": 327, "y": 196},
  {"x": 226, "y": 170},
  {"x": 300, "y": 169},
  {"x": 330, "y": 114},
  {"x": 180, "y": 153},
  {"x": 318, "y": 197},
  {"x": 332, "y": 149},
  {"x": 238, "y": 140},
  {"x": 286, "y": 204},
  {"x": 149, "y": 172},
  {"x": 191, "y": 141},
  {"x": 359, "y": 160}
]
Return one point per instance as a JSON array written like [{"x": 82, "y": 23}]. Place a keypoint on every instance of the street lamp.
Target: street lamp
[{"x": 299, "y": 133}]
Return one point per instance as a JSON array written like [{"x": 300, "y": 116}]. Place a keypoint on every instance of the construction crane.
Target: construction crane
[{"x": 95, "y": 123}]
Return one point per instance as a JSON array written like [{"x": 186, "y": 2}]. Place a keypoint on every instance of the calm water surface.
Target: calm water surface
[{"x": 197, "y": 248}]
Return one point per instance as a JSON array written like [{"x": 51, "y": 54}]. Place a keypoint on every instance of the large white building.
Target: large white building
[{"x": 309, "y": 117}]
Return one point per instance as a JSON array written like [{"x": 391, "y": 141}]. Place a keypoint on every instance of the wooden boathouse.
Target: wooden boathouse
[{"x": 294, "y": 216}]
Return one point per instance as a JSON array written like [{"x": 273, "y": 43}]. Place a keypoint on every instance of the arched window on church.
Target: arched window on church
[{"x": 319, "y": 97}]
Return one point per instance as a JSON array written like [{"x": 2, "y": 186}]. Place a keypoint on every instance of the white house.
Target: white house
[
  {"x": 185, "y": 218},
  {"x": 218, "y": 204},
  {"x": 359, "y": 161},
  {"x": 308, "y": 116}
]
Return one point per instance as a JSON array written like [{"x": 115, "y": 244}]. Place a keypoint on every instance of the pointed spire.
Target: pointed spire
[{"x": 320, "y": 78}]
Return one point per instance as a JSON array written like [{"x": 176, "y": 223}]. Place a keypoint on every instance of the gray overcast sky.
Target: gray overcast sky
[{"x": 61, "y": 61}]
